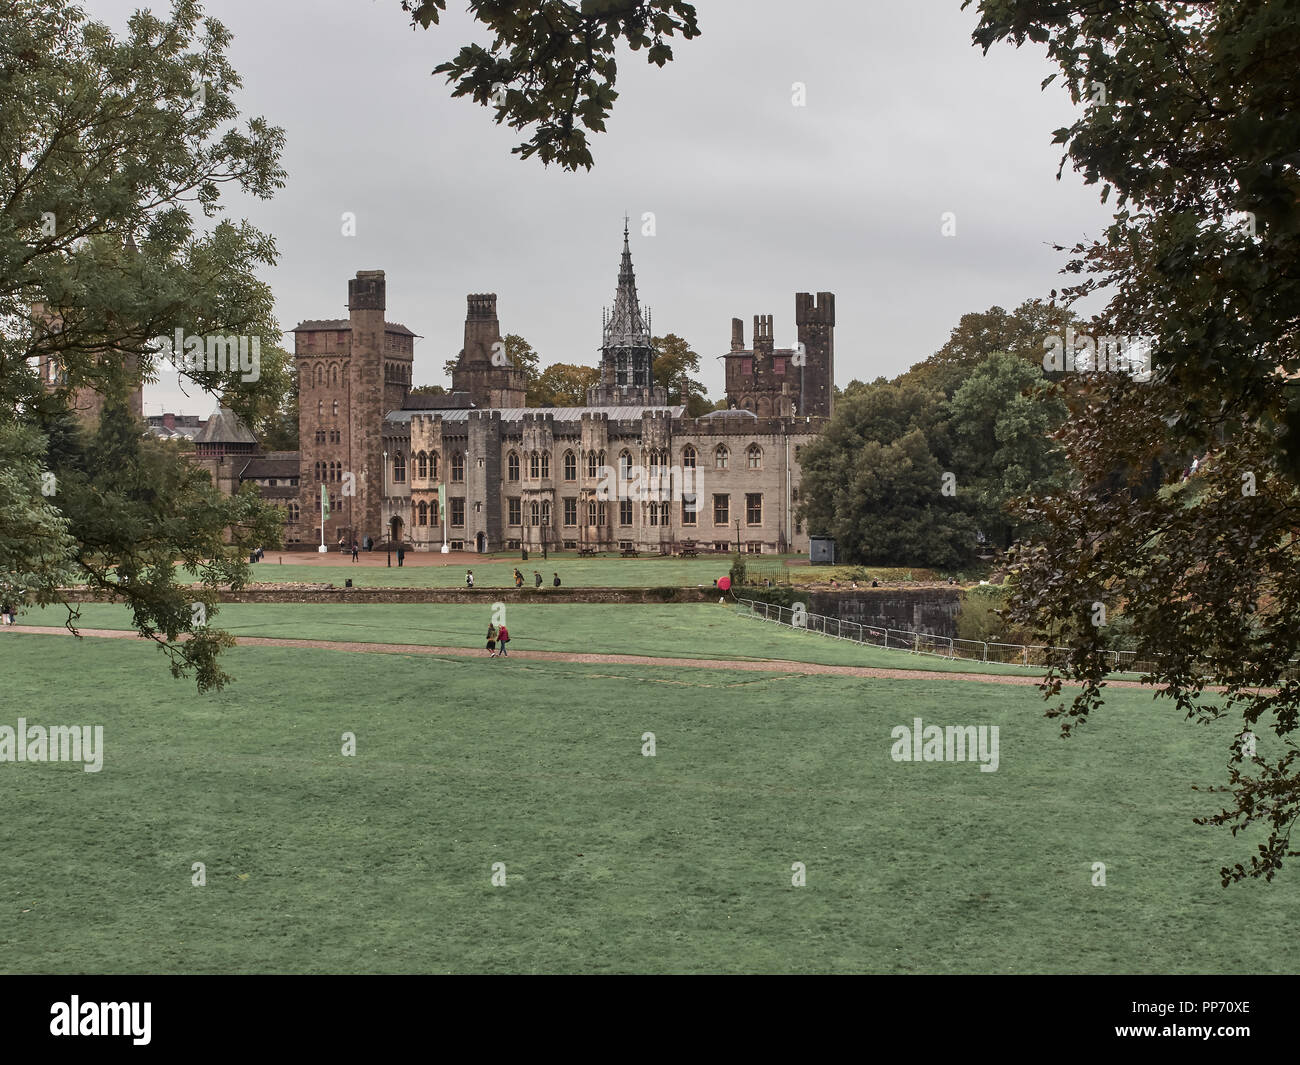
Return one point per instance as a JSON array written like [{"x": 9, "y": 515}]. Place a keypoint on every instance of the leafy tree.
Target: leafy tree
[
  {"x": 1001, "y": 422},
  {"x": 1189, "y": 118},
  {"x": 110, "y": 148},
  {"x": 874, "y": 480},
  {"x": 563, "y": 385},
  {"x": 552, "y": 65},
  {"x": 428, "y": 390},
  {"x": 976, "y": 336},
  {"x": 674, "y": 363}
]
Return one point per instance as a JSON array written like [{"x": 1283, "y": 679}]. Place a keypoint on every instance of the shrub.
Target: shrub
[{"x": 737, "y": 569}]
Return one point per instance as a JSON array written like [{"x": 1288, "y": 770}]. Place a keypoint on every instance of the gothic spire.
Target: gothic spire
[{"x": 625, "y": 327}]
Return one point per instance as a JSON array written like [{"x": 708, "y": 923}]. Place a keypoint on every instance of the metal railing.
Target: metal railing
[{"x": 1029, "y": 656}]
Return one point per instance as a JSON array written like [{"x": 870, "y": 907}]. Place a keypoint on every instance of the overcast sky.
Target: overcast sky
[{"x": 753, "y": 198}]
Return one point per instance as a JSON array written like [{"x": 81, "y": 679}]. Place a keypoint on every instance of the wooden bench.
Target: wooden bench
[
  {"x": 631, "y": 552},
  {"x": 586, "y": 552}
]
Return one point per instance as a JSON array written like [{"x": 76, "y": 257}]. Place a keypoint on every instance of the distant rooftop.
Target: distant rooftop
[
  {"x": 560, "y": 414},
  {"x": 317, "y": 325},
  {"x": 225, "y": 427}
]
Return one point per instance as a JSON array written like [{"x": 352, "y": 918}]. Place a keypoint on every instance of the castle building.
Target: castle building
[{"x": 628, "y": 470}]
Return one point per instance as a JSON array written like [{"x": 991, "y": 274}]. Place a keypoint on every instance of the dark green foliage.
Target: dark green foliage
[{"x": 551, "y": 63}]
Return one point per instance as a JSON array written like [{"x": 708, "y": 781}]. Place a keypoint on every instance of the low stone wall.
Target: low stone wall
[
  {"x": 932, "y": 611},
  {"x": 332, "y": 594}
]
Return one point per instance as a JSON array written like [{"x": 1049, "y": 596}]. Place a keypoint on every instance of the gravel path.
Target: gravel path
[{"x": 752, "y": 666}]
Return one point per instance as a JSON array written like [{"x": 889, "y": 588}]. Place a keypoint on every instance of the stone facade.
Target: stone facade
[{"x": 627, "y": 471}]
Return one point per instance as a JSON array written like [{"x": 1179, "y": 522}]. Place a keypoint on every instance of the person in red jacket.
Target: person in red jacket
[{"x": 503, "y": 638}]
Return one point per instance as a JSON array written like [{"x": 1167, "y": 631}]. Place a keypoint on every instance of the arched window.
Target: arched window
[
  {"x": 755, "y": 457},
  {"x": 546, "y": 512},
  {"x": 570, "y": 466},
  {"x": 336, "y": 408},
  {"x": 535, "y": 512},
  {"x": 546, "y": 464},
  {"x": 399, "y": 467},
  {"x": 316, "y": 471},
  {"x": 625, "y": 464},
  {"x": 458, "y": 466},
  {"x": 512, "y": 467},
  {"x": 720, "y": 457},
  {"x": 294, "y": 513},
  {"x": 422, "y": 514},
  {"x": 433, "y": 513},
  {"x": 320, "y": 408},
  {"x": 534, "y": 466},
  {"x": 591, "y": 513},
  {"x": 334, "y": 373},
  {"x": 688, "y": 458},
  {"x": 591, "y": 464},
  {"x": 422, "y": 466},
  {"x": 433, "y": 467},
  {"x": 320, "y": 375}
]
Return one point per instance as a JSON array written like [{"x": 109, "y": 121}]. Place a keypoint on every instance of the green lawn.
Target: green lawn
[
  {"x": 382, "y": 862},
  {"x": 425, "y": 570},
  {"x": 690, "y": 630}
]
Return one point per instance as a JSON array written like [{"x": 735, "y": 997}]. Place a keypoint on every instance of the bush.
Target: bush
[{"x": 737, "y": 569}]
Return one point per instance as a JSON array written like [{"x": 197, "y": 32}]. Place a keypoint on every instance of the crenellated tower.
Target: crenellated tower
[{"x": 482, "y": 368}]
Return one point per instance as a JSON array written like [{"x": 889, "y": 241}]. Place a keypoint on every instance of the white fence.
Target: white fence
[{"x": 1012, "y": 654}]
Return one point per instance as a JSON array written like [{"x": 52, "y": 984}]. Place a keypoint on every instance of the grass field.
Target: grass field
[
  {"x": 425, "y": 570},
  {"x": 690, "y": 630},
  {"x": 382, "y": 862}
]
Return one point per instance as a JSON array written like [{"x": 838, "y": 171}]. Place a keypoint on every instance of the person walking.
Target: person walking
[
  {"x": 492, "y": 640},
  {"x": 354, "y": 551},
  {"x": 6, "y": 614},
  {"x": 469, "y": 578},
  {"x": 537, "y": 579},
  {"x": 503, "y": 638},
  {"x": 401, "y": 554},
  {"x": 519, "y": 578},
  {"x": 556, "y": 581}
]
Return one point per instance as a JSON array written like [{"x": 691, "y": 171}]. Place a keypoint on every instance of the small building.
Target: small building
[{"x": 821, "y": 551}]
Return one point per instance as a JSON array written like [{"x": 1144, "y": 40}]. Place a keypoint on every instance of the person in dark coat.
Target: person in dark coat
[{"x": 492, "y": 640}]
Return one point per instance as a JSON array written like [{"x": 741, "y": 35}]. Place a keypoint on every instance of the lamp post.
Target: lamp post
[{"x": 389, "y": 538}]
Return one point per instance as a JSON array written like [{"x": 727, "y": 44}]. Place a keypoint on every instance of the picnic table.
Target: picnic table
[
  {"x": 689, "y": 549},
  {"x": 586, "y": 552},
  {"x": 631, "y": 552}
]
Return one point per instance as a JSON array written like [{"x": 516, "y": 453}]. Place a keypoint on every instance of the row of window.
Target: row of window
[
  {"x": 539, "y": 463},
  {"x": 335, "y": 436},
  {"x": 539, "y": 512}
]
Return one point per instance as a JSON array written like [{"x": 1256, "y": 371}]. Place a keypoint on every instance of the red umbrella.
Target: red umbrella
[{"x": 724, "y": 583}]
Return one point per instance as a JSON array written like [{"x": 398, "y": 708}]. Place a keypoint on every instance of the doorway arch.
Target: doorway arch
[{"x": 480, "y": 543}]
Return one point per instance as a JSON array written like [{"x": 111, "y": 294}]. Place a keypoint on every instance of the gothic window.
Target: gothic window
[
  {"x": 654, "y": 513},
  {"x": 625, "y": 464},
  {"x": 570, "y": 466},
  {"x": 320, "y": 436},
  {"x": 316, "y": 471},
  {"x": 320, "y": 375},
  {"x": 688, "y": 457},
  {"x": 512, "y": 467},
  {"x": 433, "y": 465},
  {"x": 591, "y": 464},
  {"x": 720, "y": 457},
  {"x": 546, "y": 512},
  {"x": 535, "y": 514},
  {"x": 422, "y": 514},
  {"x": 422, "y": 466},
  {"x": 534, "y": 466},
  {"x": 688, "y": 511},
  {"x": 755, "y": 457},
  {"x": 336, "y": 408},
  {"x": 334, "y": 373},
  {"x": 591, "y": 513},
  {"x": 546, "y": 464},
  {"x": 320, "y": 408},
  {"x": 399, "y": 467},
  {"x": 458, "y": 471}
]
